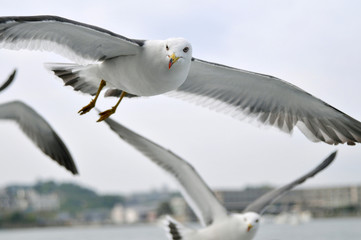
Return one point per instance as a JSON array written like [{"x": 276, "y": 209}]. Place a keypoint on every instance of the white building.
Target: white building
[{"x": 121, "y": 215}]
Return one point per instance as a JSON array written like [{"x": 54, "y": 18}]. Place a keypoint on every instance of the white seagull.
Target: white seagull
[
  {"x": 131, "y": 67},
  {"x": 37, "y": 129},
  {"x": 217, "y": 223}
]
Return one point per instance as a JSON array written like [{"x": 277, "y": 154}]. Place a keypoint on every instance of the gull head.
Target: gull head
[
  {"x": 251, "y": 221},
  {"x": 177, "y": 50},
  {"x": 162, "y": 65},
  {"x": 247, "y": 223}
]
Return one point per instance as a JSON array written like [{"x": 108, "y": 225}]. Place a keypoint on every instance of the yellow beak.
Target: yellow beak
[
  {"x": 249, "y": 227},
  {"x": 172, "y": 59}
]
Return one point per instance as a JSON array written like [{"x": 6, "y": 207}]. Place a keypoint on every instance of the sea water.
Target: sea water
[{"x": 316, "y": 229}]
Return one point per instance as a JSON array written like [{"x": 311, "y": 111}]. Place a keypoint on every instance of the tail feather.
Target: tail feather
[
  {"x": 113, "y": 92},
  {"x": 71, "y": 76}
]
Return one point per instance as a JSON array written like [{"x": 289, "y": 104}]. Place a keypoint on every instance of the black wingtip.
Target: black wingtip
[
  {"x": 330, "y": 159},
  {"x": 72, "y": 169},
  {"x": 333, "y": 155},
  {"x": 12, "y": 76},
  {"x": 71, "y": 166},
  {"x": 260, "y": 205},
  {"x": 322, "y": 165},
  {"x": 9, "y": 80},
  {"x": 173, "y": 230},
  {"x": 66, "y": 162}
]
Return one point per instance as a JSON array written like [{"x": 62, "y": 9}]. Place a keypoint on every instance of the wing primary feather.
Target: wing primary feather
[
  {"x": 261, "y": 204},
  {"x": 268, "y": 99},
  {"x": 193, "y": 188},
  {"x": 39, "y": 131},
  {"x": 42, "y": 18},
  {"x": 83, "y": 43}
]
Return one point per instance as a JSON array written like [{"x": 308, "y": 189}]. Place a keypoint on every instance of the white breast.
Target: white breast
[{"x": 146, "y": 73}]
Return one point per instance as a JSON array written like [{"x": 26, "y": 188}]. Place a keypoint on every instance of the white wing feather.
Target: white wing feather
[
  {"x": 268, "y": 99},
  {"x": 77, "y": 41},
  {"x": 198, "y": 195},
  {"x": 39, "y": 131}
]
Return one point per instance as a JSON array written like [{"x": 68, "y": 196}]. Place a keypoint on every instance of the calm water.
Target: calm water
[{"x": 319, "y": 229}]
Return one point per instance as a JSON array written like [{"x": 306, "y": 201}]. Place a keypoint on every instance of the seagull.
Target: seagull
[
  {"x": 37, "y": 129},
  {"x": 132, "y": 67},
  {"x": 217, "y": 223}
]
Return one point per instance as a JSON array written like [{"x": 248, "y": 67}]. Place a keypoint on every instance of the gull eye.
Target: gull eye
[
  {"x": 185, "y": 49},
  {"x": 166, "y": 47},
  {"x": 257, "y": 220}
]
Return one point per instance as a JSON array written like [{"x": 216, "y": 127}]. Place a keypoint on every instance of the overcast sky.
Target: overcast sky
[{"x": 312, "y": 44}]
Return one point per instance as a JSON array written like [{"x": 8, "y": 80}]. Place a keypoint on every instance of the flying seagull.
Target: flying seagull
[
  {"x": 37, "y": 129},
  {"x": 132, "y": 67},
  {"x": 217, "y": 223}
]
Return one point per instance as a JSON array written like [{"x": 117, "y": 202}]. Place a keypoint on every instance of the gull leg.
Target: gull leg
[
  {"x": 107, "y": 113},
  {"x": 88, "y": 107}
]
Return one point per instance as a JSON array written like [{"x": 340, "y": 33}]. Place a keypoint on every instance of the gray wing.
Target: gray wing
[
  {"x": 268, "y": 99},
  {"x": 198, "y": 195},
  {"x": 260, "y": 205},
  {"x": 77, "y": 41},
  {"x": 9, "y": 81},
  {"x": 39, "y": 131}
]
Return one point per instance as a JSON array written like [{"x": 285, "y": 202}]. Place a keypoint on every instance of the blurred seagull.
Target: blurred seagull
[
  {"x": 217, "y": 223},
  {"x": 131, "y": 67},
  {"x": 37, "y": 129}
]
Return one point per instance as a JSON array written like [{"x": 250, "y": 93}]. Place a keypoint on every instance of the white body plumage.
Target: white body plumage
[
  {"x": 145, "y": 73},
  {"x": 234, "y": 227}
]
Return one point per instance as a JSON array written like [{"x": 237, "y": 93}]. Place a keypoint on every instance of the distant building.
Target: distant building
[
  {"x": 44, "y": 202},
  {"x": 117, "y": 214},
  {"x": 144, "y": 207},
  {"x": 131, "y": 215},
  {"x": 320, "y": 201},
  {"x": 326, "y": 200},
  {"x": 21, "y": 199},
  {"x": 180, "y": 209},
  {"x": 96, "y": 216},
  {"x": 237, "y": 200},
  {"x": 121, "y": 215}
]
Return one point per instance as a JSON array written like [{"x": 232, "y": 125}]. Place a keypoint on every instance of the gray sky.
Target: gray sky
[{"x": 312, "y": 44}]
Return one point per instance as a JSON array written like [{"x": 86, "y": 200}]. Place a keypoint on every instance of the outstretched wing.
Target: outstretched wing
[
  {"x": 198, "y": 195},
  {"x": 77, "y": 41},
  {"x": 39, "y": 131},
  {"x": 260, "y": 205},
  {"x": 268, "y": 99}
]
